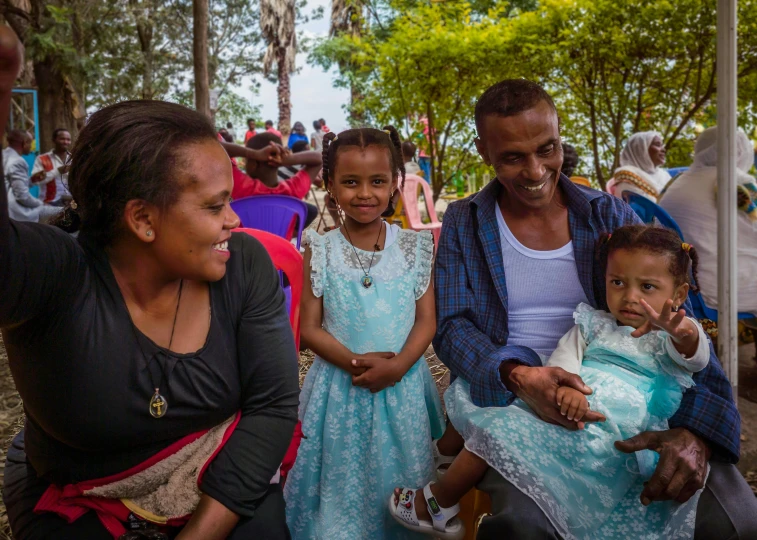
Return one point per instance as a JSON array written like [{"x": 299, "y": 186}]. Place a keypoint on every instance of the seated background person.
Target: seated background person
[
  {"x": 262, "y": 178},
  {"x": 692, "y": 201},
  {"x": 640, "y": 167}
]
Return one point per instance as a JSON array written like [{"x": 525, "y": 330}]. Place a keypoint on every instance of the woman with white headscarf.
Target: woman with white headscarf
[
  {"x": 692, "y": 201},
  {"x": 640, "y": 163}
]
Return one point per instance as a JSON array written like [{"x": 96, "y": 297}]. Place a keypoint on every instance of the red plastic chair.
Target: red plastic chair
[
  {"x": 286, "y": 259},
  {"x": 410, "y": 204}
]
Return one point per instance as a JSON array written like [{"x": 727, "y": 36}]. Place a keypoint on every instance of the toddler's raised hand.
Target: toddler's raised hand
[
  {"x": 682, "y": 331},
  {"x": 573, "y": 404}
]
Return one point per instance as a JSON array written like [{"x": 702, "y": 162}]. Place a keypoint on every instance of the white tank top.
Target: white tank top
[{"x": 543, "y": 291}]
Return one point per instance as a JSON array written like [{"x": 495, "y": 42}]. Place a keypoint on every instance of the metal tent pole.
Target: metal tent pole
[{"x": 726, "y": 101}]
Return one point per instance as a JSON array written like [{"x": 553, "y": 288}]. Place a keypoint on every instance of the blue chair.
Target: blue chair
[
  {"x": 271, "y": 213},
  {"x": 650, "y": 212},
  {"x": 675, "y": 171}
]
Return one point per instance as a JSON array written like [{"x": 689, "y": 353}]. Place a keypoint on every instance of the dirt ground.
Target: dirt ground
[{"x": 11, "y": 412}]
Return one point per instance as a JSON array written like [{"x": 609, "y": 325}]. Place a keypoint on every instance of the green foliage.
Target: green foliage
[
  {"x": 433, "y": 64},
  {"x": 613, "y": 67}
]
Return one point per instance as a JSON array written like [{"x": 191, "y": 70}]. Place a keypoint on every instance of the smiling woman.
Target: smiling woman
[{"x": 155, "y": 341}]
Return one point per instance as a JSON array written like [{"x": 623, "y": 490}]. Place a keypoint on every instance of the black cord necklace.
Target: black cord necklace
[
  {"x": 158, "y": 404},
  {"x": 366, "y": 280}
]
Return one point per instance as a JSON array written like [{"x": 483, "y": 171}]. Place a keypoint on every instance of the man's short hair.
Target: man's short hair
[
  {"x": 299, "y": 146},
  {"x": 569, "y": 160},
  {"x": 408, "y": 149},
  {"x": 508, "y": 98},
  {"x": 59, "y": 130},
  {"x": 262, "y": 140},
  {"x": 250, "y": 120},
  {"x": 269, "y": 123},
  {"x": 18, "y": 135}
]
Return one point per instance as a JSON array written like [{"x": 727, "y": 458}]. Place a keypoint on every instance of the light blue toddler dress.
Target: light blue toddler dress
[
  {"x": 586, "y": 487},
  {"x": 359, "y": 446}
]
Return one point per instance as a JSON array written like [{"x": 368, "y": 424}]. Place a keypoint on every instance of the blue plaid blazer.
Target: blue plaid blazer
[{"x": 471, "y": 303}]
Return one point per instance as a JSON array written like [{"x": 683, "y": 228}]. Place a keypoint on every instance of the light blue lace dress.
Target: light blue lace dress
[
  {"x": 586, "y": 487},
  {"x": 359, "y": 446}
]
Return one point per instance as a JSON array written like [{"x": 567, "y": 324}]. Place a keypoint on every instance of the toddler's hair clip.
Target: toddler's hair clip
[
  {"x": 73, "y": 205},
  {"x": 686, "y": 247},
  {"x": 609, "y": 236},
  {"x": 387, "y": 132},
  {"x": 335, "y": 138}
]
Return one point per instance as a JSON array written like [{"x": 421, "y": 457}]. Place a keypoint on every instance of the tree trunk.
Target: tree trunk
[
  {"x": 200, "y": 49},
  {"x": 59, "y": 104},
  {"x": 285, "y": 100},
  {"x": 356, "y": 96},
  {"x": 143, "y": 18}
]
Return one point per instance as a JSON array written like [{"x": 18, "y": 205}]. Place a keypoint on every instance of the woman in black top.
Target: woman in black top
[{"x": 156, "y": 293}]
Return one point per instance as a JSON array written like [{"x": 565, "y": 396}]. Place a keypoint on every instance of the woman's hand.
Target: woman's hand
[
  {"x": 682, "y": 331},
  {"x": 10, "y": 65},
  {"x": 380, "y": 371}
]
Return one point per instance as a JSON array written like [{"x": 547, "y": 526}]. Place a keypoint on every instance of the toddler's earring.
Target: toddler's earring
[
  {"x": 675, "y": 309},
  {"x": 148, "y": 233}
]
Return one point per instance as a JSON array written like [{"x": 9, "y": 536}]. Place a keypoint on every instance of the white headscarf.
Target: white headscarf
[
  {"x": 636, "y": 154},
  {"x": 636, "y": 151},
  {"x": 706, "y": 153}
]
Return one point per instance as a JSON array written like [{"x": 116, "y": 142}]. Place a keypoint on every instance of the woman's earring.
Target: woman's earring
[{"x": 148, "y": 233}]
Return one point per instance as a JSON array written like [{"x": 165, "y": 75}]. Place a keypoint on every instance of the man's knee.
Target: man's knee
[
  {"x": 507, "y": 525},
  {"x": 727, "y": 508},
  {"x": 514, "y": 515}
]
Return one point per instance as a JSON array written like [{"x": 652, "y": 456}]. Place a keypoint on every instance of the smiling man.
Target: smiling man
[{"x": 513, "y": 263}]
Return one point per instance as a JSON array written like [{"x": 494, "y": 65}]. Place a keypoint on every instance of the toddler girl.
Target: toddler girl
[
  {"x": 638, "y": 359},
  {"x": 369, "y": 406}
]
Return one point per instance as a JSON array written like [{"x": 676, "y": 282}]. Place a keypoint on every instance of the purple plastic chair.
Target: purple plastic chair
[{"x": 271, "y": 213}]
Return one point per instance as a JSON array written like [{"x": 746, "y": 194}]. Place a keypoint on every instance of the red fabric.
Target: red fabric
[
  {"x": 298, "y": 186},
  {"x": 274, "y": 131},
  {"x": 286, "y": 258},
  {"x": 51, "y": 188},
  {"x": 71, "y": 503},
  {"x": 249, "y": 135}
]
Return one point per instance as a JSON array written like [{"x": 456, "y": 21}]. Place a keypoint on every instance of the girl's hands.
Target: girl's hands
[
  {"x": 376, "y": 371},
  {"x": 682, "y": 331}
]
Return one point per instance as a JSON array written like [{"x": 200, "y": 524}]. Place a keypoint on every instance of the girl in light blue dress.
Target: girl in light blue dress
[
  {"x": 369, "y": 406},
  {"x": 638, "y": 359}
]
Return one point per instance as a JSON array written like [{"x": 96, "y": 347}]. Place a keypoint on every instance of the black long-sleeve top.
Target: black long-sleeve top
[{"x": 84, "y": 381}]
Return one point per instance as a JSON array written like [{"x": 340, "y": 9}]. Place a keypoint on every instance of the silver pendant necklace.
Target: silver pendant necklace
[{"x": 366, "y": 280}]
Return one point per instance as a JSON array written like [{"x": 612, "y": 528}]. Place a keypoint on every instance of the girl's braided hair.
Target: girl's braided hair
[
  {"x": 363, "y": 138},
  {"x": 683, "y": 258}
]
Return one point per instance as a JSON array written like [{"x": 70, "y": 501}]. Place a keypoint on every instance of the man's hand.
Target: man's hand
[
  {"x": 682, "y": 468},
  {"x": 63, "y": 169},
  {"x": 379, "y": 371},
  {"x": 537, "y": 387},
  {"x": 573, "y": 404},
  {"x": 38, "y": 177}
]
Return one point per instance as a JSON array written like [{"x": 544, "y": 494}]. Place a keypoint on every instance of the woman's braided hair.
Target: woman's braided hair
[
  {"x": 130, "y": 150},
  {"x": 363, "y": 138},
  {"x": 683, "y": 258}
]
